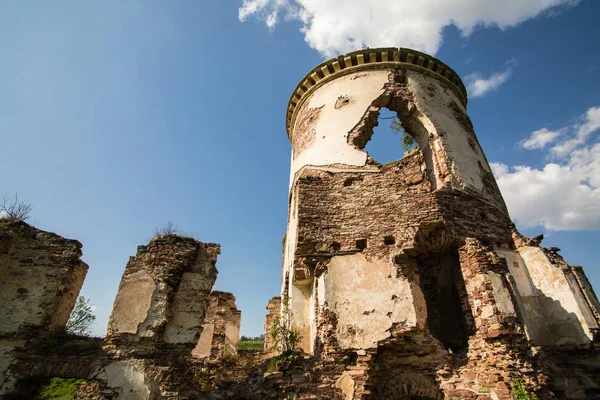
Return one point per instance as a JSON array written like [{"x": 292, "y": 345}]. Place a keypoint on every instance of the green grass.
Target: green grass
[
  {"x": 59, "y": 389},
  {"x": 251, "y": 345}
]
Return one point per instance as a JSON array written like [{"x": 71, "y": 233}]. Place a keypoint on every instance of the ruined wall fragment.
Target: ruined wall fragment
[
  {"x": 155, "y": 324},
  {"x": 164, "y": 294},
  {"x": 220, "y": 328},
  {"x": 273, "y": 312},
  {"x": 567, "y": 302},
  {"x": 157, "y": 317},
  {"x": 41, "y": 274}
]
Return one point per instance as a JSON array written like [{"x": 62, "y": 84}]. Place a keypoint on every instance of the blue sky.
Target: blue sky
[{"x": 116, "y": 117}]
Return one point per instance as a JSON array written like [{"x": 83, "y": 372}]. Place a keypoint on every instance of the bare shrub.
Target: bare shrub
[
  {"x": 167, "y": 229},
  {"x": 13, "y": 208}
]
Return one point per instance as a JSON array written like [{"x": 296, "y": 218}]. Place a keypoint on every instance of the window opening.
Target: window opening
[{"x": 389, "y": 141}]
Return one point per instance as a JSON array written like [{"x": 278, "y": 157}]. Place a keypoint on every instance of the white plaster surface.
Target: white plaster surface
[
  {"x": 232, "y": 338},
  {"x": 299, "y": 296},
  {"x": 502, "y": 295},
  {"x": 368, "y": 299},
  {"x": 527, "y": 298},
  {"x": 127, "y": 380},
  {"x": 132, "y": 303},
  {"x": 568, "y": 321},
  {"x": 463, "y": 159},
  {"x": 204, "y": 345},
  {"x": 300, "y": 301},
  {"x": 330, "y": 145},
  {"x": 188, "y": 308}
]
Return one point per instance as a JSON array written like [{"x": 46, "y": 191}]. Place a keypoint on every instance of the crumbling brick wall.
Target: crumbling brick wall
[
  {"x": 41, "y": 274},
  {"x": 163, "y": 295},
  {"x": 155, "y": 324},
  {"x": 157, "y": 316},
  {"x": 220, "y": 329}
]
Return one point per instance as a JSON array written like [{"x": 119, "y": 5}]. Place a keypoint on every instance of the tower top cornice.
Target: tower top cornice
[{"x": 385, "y": 57}]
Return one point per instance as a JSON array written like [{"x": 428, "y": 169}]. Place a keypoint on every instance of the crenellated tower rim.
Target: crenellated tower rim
[{"x": 384, "y": 57}]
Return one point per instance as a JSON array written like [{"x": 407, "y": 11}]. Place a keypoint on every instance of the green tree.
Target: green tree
[
  {"x": 408, "y": 141},
  {"x": 81, "y": 318}
]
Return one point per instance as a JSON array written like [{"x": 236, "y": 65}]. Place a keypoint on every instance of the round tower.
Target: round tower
[
  {"x": 345, "y": 208},
  {"x": 417, "y": 256}
]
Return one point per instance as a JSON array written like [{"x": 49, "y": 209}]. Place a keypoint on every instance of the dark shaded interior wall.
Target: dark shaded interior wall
[{"x": 439, "y": 275}]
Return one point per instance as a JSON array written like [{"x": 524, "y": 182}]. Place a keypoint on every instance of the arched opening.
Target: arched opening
[{"x": 389, "y": 141}]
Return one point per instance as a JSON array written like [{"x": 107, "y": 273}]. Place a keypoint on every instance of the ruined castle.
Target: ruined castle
[{"x": 404, "y": 281}]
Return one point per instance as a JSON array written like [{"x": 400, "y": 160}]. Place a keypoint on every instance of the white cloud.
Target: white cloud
[
  {"x": 337, "y": 26},
  {"x": 591, "y": 123},
  {"x": 271, "y": 20},
  {"x": 250, "y": 7},
  {"x": 565, "y": 193},
  {"x": 539, "y": 139},
  {"x": 3, "y": 214},
  {"x": 478, "y": 86}
]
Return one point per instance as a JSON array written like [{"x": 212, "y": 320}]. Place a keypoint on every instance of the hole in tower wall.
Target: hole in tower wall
[
  {"x": 439, "y": 276},
  {"x": 361, "y": 244},
  {"x": 389, "y": 142}
]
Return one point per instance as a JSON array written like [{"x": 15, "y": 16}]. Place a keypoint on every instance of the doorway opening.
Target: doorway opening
[{"x": 442, "y": 283}]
